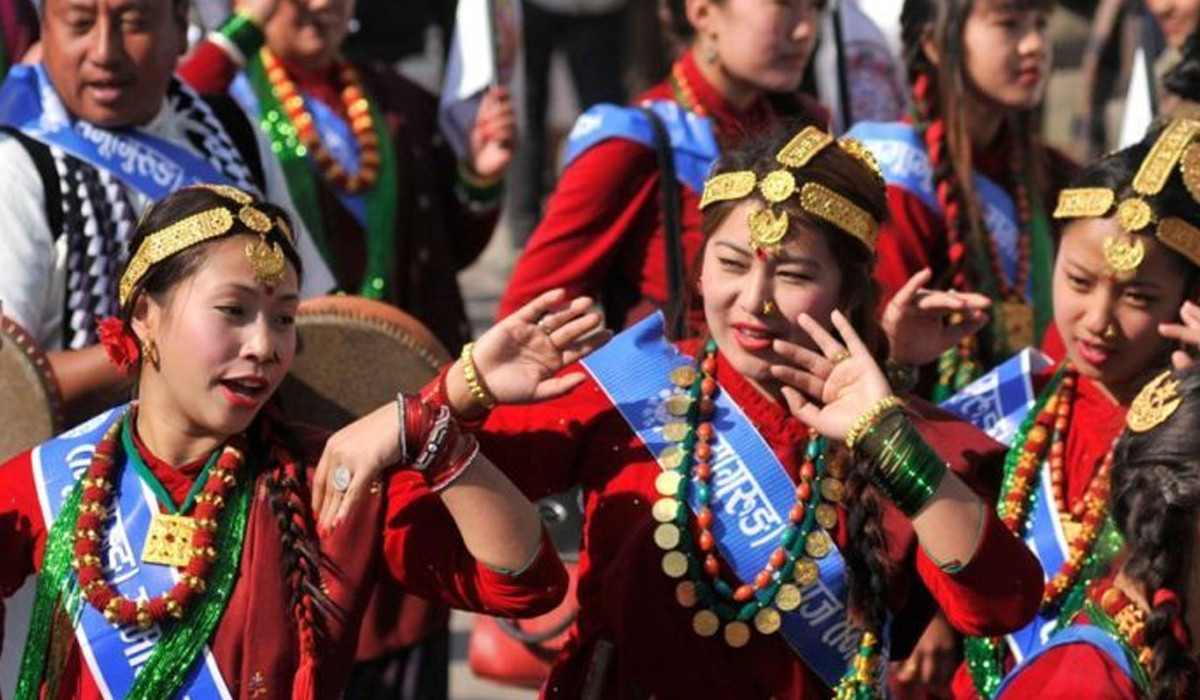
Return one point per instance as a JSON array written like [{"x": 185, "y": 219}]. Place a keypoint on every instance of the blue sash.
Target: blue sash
[
  {"x": 905, "y": 163},
  {"x": 1077, "y": 634},
  {"x": 997, "y": 402},
  {"x": 691, "y": 136},
  {"x": 751, "y": 502},
  {"x": 115, "y": 655},
  {"x": 336, "y": 134},
  {"x": 151, "y": 165}
]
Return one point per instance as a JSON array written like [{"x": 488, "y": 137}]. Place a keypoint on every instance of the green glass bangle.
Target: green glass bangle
[
  {"x": 903, "y": 465},
  {"x": 242, "y": 32}
]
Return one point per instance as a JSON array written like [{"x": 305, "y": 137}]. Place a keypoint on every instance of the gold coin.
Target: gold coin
[
  {"x": 671, "y": 457},
  {"x": 683, "y": 377},
  {"x": 675, "y": 431},
  {"x": 679, "y": 404},
  {"x": 666, "y": 536},
  {"x": 817, "y": 544},
  {"x": 667, "y": 483},
  {"x": 787, "y": 598},
  {"x": 832, "y": 490},
  {"x": 826, "y": 516},
  {"x": 768, "y": 621},
  {"x": 665, "y": 509},
  {"x": 674, "y": 564},
  {"x": 737, "y": 634},
  {"x": 806, "y": 571},
  {"x": 705, "y": 623},
  {"x": 685, "y": 594}
]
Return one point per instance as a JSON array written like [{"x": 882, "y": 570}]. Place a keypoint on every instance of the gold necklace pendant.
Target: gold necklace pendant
[{"x": 169, "y": 541}]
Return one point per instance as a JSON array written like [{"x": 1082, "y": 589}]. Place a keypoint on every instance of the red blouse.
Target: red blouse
[
  {"x": 404, "y": 528},
  {"x": 603, "y": 223},
  {"x": 626, "y": 600}
]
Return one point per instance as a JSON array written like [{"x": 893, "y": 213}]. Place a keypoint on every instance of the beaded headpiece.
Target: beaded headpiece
[
  {"x": 266, "y": 258},
  {"x": 1176, "y": 145},
  {"x": 1154, "y": 403},
  {"x": 768, "y": 226}
]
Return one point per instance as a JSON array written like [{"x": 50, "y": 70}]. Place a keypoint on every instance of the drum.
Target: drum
[
  {"x": 353, "y": 355},
  {"x": 31, "y": 411}
]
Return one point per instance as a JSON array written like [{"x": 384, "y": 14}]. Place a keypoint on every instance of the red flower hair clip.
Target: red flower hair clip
[{"x": 119, "y": 343}]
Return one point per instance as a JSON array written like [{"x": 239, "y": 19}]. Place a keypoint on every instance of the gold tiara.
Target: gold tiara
[
  {"x": 1176, "y": 145},
  {"x": 769, "y": 226},
  {"x": 1154, "y": 403},
  {"x": 266, "y": 259}
]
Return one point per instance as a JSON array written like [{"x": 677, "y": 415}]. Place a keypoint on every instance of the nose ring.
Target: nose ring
[
  {"x": 1110, "y": 333},
  {"x": 768, "y": 307}
]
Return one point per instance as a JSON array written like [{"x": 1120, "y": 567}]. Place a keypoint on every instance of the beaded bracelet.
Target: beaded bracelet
[
  {"x": 903, "y": 465},
  {"x": 400, "y": 406},
  {"x": 869, "y": 416},
  {"x": 242, "y": 33},
  {"x": 475, "y": 384},
  {"x": 473, "y": 189}
]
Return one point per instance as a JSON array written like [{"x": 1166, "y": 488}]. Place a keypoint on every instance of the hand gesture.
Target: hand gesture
[
  {"x": 1186, "y": 332},
  {"x": 493, "y": 135},
  {"x": 518, "y": 358},
  {"x": 828, "y": 390},
  {"x": 364, "y": 449},
  {"x": 917, "y": 320}
]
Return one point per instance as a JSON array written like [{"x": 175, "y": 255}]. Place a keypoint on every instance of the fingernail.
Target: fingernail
[{"x": 337, "y": 522}]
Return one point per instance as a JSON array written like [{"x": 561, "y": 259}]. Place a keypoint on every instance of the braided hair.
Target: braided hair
[
  {"x": 837, "y": 170},
  {"x": 1155, "y": 503},
  {"x": 938, "y": 90}
]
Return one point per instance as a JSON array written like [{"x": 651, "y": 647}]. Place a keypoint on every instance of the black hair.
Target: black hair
[{"x": 1155, "y": 503}]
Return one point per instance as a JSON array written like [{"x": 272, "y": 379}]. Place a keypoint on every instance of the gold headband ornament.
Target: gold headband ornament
[
  {"x": 266, "y": 258},
  {"x": 769, "y": 226},
  {"x": 1154, "y": 403},
  {"x": 1126, "y": 252}
]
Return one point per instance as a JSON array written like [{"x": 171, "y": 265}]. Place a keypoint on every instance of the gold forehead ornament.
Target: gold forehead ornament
[
  {"x": 768, "y": 227},
  {"x": 266, "y": 259},
  {"x": 1154, "y": 403},
  {"x": 1124, "y": 253}
]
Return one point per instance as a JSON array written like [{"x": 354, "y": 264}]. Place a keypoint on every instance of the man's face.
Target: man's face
[{"x": 111, "y": 60}]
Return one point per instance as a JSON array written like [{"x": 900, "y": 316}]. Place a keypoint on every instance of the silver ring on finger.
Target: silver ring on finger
[{"x": 341, "y": 479}]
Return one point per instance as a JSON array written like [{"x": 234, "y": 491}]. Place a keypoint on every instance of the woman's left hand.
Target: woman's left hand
[
  {"x": 1186, "y": 332},
  {"x": 916, "y": 320},
  {"x": 828, "y": 390},
  {"x": 364, "y": 449},
  {"x": 493, "y": 135}
]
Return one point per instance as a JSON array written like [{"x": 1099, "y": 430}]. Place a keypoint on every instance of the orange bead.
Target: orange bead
[
  {"x": 711, "y": 566},
  {"x": 762, "y": 580},
  {"x": 743, "y": 593},
  {"x": 778, "y": 557},
  {"x": 706, "y": 541},
  {"x": 703, "y": 471},
  {"x": 705, "y": 518}
]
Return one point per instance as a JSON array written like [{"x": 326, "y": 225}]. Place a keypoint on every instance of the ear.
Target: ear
[
  {"x": 700, "y": 16},
  {"x": 146, "y": 318},
  {"x": 929, "y": 47}
]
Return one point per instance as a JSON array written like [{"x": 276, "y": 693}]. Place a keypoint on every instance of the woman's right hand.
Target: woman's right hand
[
  {"x": 519, "y": 358},
  {"x": 1186, "y": 332}
]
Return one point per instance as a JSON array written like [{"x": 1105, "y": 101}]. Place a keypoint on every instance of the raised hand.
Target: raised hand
[
  {"x": 494, "y": 134},
  {"x": 518, "y": 358},
  {"x": 917, "y": 320},
  {"x": 829, "y": 389},
  {"x": 1186, "y": 332}
]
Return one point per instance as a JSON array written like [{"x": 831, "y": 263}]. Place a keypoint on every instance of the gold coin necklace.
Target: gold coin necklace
[{"x": 733, "y": 610}]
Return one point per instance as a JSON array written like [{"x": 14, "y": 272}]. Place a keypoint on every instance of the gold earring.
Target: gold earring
[
  {"x": 150, "y": 352},
  {"x": 1110, "y": 333}
]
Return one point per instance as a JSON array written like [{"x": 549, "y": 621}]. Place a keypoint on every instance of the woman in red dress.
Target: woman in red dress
[
  {"x": 604, "y": 233},
  {"x": 722, "y": 510},
  {"x": 173, "y": 540},
  {"x": 1126, "y": 265}
]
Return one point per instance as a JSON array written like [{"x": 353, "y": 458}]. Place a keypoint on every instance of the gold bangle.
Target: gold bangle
[
  {"x": 869, "y": 416},
  {"x": 475, "y": 384}
]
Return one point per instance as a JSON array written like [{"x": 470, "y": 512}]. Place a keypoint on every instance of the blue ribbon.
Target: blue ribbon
[
  {"x": 905, "y": 164},
  {"x": 997, "y": 402},
  {"x": 114, "y": 654},
  {"x": 153, "y": 166},
  {"x": 751, "y": 503},
  {"x": 1077, "y": 634},
  {"x": 692, "y": 137},
  {"x": 335, "y": 133}
]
